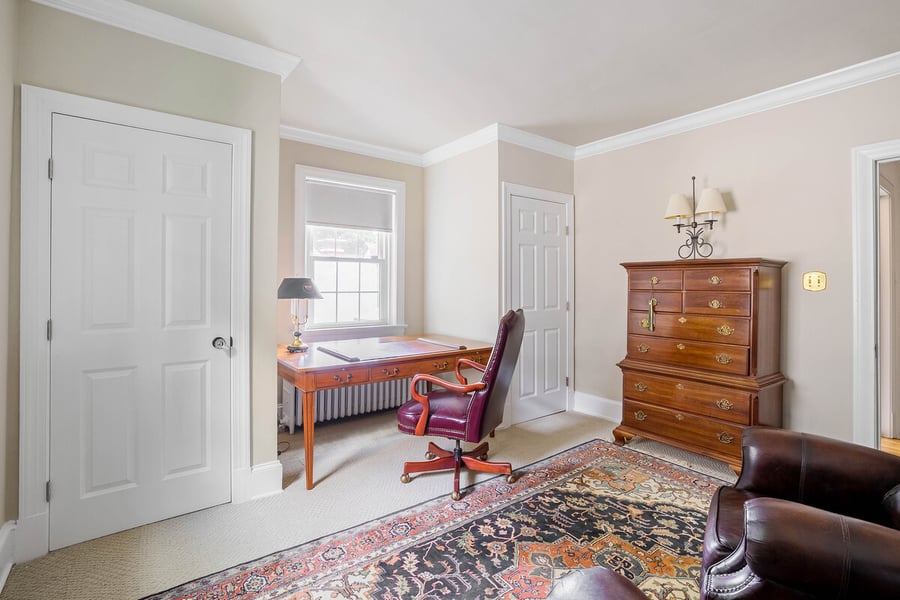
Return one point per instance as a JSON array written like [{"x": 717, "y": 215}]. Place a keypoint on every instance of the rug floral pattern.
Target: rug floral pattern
[{"x": 596, "y": 504}]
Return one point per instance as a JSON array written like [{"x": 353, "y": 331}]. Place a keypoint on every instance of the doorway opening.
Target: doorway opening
[{"x": 888, "y": 320}]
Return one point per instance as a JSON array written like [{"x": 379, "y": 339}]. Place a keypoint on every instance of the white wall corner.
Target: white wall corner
[
  {"x": 597, "y": 406},
  {"x": 7, "y": 550},
  {"x": 166, "y": 28}
]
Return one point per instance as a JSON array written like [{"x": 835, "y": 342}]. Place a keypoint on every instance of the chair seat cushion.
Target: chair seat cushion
[
  {"x": 447, "y": 415},
  {"x": 725, "y": 525}
]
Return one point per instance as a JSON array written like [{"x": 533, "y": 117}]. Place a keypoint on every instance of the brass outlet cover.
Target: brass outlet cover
[{"x": 814, "y": 281}]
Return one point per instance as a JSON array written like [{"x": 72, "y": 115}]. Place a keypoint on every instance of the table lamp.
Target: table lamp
[{"x": 297, "y": 289}]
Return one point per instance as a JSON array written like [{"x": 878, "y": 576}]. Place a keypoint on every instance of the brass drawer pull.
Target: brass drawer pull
[
  {"x": 724, "y": 404},
  {"x": 641, "y": 387},
  {"x": 680, "y": 346},
  {"x": 392, "y": 372},
  {"x": 682, "y": 320},
  {"x": 724, "y": 359},
  {"x": 640, "y": 415},
  {"x": 715, "y": 303},
  {"x": 654, "y": 280},
  {"x": 715, "y": 280},
  {"x": 349, "y": 377},
  {"x": 440, "y": 365},
  {"x": 725, "y": 438},
  {"x": 725, "y": 330},
  {"x": 679, "y": 417},
  {"x": 643, "y": 348},
  {"x": 645, "y": 323},
  {"x": 679, "y": 386}
]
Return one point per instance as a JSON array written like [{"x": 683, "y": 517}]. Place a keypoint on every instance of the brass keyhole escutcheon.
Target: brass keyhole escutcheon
[
  {"x": 715, "y": 303},
  {"x": 725, "y": 438},
  {"x": 640, "y": 415},
  {"x": 679, "y": 386},
  {"x": 682, "y": 320},
  {"x": 679, "y": 417},
  {"x": 654, "y": 280},
  {"x": 641, "y": 387},
  {"x": 724, "y": 404},
  {"x": 725, "y": 330},
  {"x": 680, "y": 346}
]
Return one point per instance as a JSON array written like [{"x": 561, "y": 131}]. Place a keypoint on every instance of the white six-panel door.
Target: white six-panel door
[
  {"x": 140, "y": 424},
  {"x": 538, "y": 258}
]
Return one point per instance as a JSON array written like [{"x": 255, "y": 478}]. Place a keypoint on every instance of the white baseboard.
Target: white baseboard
[
  {"x": 7, "y": 550},
  {"x": 597, "y": 406},
  {"x": 32, "y": 537},
  {"x": 265, "y": 479}
]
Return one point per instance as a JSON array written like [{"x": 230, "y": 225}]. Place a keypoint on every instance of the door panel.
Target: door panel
[
  {"x": 140, "y": 401},
  {"x": 539, "y": 272}
]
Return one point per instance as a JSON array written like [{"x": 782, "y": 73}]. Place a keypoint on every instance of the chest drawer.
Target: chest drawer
[
  {"x": 728, "y": 330},
  {"x": 655, "y": 279},
  {"x": 711, "y": 434},
  {"x": 724, "y": 279},
  {"x": 698, "y": 398},
  {"x": 717, "y": 303},
  {"x": 342, "y": 376},
  {"x": 702, "y": 355},
  {"x": 665, "y": 301}
]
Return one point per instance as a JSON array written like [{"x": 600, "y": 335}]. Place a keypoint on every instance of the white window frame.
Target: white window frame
[{"x": 396, "y": 289}]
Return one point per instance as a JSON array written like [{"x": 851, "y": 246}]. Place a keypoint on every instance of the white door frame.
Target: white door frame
[
  {"x": 864, "y": 219},
  {"x": 38, "y": 106},
  {"x": 514, "y": 189}
]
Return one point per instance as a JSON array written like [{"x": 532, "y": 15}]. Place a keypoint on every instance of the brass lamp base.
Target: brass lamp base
[{"x": 297, "y": 345}]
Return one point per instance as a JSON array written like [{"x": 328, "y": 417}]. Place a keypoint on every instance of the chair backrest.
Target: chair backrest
[{"x": 486, "y": 408}]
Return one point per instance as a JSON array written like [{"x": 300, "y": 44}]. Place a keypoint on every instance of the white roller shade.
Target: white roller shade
[{"x": 343, "y": 206}]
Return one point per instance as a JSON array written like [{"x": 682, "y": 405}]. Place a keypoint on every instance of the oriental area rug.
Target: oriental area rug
[{"x": 595, "y": 504}]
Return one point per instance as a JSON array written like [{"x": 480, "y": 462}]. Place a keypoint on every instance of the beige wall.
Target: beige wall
[
  {"x": 296, "y": 153},
  {"x": 536, "y": 169},
  {"x": 62, "y": 52},
  {"x": 786, "y": 178},
  {"x": 462, "y": 247},
  {"x": 9, "y": 430}
]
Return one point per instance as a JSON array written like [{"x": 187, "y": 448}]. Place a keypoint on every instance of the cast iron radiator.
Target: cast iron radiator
[{"x": 343, "y": 402}]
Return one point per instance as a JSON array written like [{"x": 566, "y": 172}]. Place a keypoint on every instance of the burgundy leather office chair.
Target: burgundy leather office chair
[
  {"x": 809, "y": 517},
  {"x": 466, "y": 412}
]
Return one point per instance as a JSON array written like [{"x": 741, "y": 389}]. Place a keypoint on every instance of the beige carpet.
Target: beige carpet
[{"x": 358, "y": 467}]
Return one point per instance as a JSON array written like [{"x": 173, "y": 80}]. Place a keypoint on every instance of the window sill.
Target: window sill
[{"x": 349, "y": 333}]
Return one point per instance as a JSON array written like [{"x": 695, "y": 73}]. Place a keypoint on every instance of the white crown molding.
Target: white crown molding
[
  {"x": 296, "y": 134},
  {"x": 535, "y": 142},
  {"x": 166, "y": 28},
  {"x": 828, "y": 83},
  {"x": 462, "y": 145}
]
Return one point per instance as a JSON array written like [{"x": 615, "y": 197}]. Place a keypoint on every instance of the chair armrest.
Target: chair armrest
[
  {"x": 837, "y": 476},
  {"x": 465, "y": 362},
  {"x": 423, "y": 399},
  {"x": 810, "y": 550}
]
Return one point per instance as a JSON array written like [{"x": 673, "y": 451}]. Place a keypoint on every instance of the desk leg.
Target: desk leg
[{"x": 309, "y": 419}]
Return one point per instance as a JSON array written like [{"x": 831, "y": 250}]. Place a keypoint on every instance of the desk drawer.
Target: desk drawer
[
  {"x": 654, "y": 279},
  {"x": 726, "y": 330},
  {"x": 341, "y": 376},
  {"x": 665, "y": 301},
  {"x": 717, "y": 303},
  {"x": 706, "y": 433},
  {"x": 702, "y": 355},
  {"x": 700, "y": 398},
  {"x": 726, "y": 280}
]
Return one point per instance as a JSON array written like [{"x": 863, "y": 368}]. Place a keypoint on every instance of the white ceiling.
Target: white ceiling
[{"x": 416, "y": 74}]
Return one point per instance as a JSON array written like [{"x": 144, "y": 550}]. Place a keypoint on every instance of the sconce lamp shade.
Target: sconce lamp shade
[
  {"x": 711, "y": 202},
  {"x": 679, "y": 206},
  {"x": 298, "y": 287}
]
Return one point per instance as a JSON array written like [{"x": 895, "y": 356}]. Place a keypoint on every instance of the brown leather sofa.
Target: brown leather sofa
[{"x": 809, "y": 517}]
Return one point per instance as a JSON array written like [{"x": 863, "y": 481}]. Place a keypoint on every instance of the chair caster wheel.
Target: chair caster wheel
[
  {"x": 456, "y": 495},
  {"x": 405, "y": 478},
  {"x": 429, "y": 456},
  {"x": 512, "y": 478},
  {"x": 482, "y": 457}
]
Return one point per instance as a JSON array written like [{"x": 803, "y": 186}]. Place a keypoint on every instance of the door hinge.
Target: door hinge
[
  {"x": 567, "y": 381},
  {"x": 567, "y": 305},
  {"x": 48, "y": 491},
  {"x": 49, "y": 329},
  {"x": 50, "y": 168},
  {"x": 567, "y": 230}
]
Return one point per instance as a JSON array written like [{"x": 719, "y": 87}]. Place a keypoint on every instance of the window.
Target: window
[{"x": 349, "y": 239}]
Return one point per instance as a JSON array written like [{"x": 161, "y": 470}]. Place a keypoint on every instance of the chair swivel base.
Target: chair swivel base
[{"x": 456, "y": 459}]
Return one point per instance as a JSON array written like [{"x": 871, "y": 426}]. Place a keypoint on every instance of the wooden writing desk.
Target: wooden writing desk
[{"x": 379, "y": 359}]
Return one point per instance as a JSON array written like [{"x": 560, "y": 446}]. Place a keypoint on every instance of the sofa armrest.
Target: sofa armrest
[
  {"x": 830, "y": 474},
  {"x": 793, "y": 547}
]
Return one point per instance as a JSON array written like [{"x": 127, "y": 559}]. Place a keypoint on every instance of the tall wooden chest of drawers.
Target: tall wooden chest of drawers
[{"x": 703, "y": 358}]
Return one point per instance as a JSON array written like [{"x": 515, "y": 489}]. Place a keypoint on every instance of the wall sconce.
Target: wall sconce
[
  {"x": 680, "y": 208},
  {"x": 297, "y": 289}
]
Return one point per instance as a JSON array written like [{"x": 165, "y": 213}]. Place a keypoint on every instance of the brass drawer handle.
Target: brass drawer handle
[
  {"x": 349, "y": 377},
  {"x": 724, "y": 359},
  {"x": 679, "y": 386},
  {"x": 725, "y": 438},
  {"x": 654, "y": 280},
  {"x": 643, "y": 348},
  {"x": 645, "y": 323},
  {"x": 715, "y": 280},
  {"x": 724, "y": 404},
  {"x": 682, "y": 320},
  {"x": 640, "y": 415},
  {"x": 725, "y": 330},
  {"x": 715, "y": 303},
  {"x": 680, "y": 346},
  {"x": 641, "y": 387},
  {"x": 679, "y": 417},
  {"x": 440, "y": 365},
  {"x": 393, "y": 372}
]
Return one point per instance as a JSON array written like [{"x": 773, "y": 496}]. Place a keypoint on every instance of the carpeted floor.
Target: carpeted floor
[
  {"x": 361, "y": 454},
  {"x": 596, "y": 504}
]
